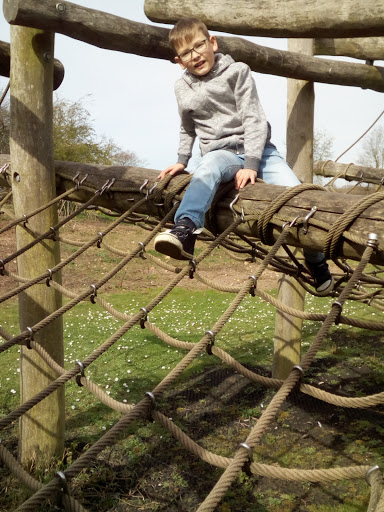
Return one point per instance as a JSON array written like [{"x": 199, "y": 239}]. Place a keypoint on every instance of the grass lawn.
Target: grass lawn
[{"x": 148, "y": 469}]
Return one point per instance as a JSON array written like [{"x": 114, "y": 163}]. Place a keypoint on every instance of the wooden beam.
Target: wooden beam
[
  {"x": 331, "y": 206},
  {"x": 365, "y": 48},
  {"x": 94, "y": 27},
  {"x": 114, "y": 33},
  {"x": 5, "y": 65},
  {"x": 349, "y": 172},
  {"x": 300, "y": 18},
  {"x": 300, "y": 117},
  {"x": 33, "y": 184}
]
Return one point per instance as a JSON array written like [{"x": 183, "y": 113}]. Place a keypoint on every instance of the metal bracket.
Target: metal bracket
[{"x": 306, "y": 219}]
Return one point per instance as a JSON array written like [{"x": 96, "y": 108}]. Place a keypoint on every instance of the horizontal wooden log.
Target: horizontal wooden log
[
  {"x": 298, "y": 18},
  {"x": 349, "y": 172},
  {"x": 254, "y": 199},
  {"x": 365, "y": 48},
  {"x": 5, "y": 65},
  {"x": 303, "y": 67},
  {"x": 114, "y": 33}
]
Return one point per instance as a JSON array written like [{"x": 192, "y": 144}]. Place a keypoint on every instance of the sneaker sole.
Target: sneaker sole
[
  {"x": 326, "y": 288},
  {"x": 170, "y": 246}
]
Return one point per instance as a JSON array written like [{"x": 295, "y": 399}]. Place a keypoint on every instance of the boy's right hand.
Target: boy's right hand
[{"x": 172, "y": 169}]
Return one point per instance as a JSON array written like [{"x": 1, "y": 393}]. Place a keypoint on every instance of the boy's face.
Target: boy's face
[{"x": 197, "y": 56}]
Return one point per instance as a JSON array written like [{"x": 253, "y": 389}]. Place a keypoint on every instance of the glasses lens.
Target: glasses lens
[
  {"x": 198, "y": 48},
  {"x": 201, "y": 46}
]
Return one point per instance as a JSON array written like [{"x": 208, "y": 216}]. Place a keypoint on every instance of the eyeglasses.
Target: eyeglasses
[{"x": 199, "y": 48}]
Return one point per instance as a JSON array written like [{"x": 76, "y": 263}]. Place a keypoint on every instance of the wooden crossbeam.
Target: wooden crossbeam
[
  {"x": 115, "y": 33},
  {"x": 330, "y": 205},
  {"x": 298, "y": 18}
]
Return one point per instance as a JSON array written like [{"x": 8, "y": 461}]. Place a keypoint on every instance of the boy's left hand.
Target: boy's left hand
[{"x": 243, "y": 176}]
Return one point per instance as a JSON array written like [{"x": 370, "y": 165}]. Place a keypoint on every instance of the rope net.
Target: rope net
[{"x": 204, "y": 391}]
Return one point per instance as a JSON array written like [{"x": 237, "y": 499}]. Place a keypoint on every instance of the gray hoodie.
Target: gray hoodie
[{"x": 223, "y": 110}]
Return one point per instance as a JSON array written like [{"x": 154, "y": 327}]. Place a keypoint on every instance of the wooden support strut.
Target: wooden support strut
[
  {"x": 253, "y": 199},
  {"x": 111, "y": 32},
  {"x": 5, "y": 65}
]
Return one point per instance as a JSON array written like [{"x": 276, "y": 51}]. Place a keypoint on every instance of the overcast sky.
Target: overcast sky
[{"x": 131, "y": 98}]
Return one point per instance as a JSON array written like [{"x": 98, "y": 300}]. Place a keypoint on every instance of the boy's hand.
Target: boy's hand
[
  {"x": 172, "y": 169},
  {"x": 243, "y": 176}
]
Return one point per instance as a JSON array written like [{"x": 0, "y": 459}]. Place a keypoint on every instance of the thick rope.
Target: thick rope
[{"x": 240, "y": 457}]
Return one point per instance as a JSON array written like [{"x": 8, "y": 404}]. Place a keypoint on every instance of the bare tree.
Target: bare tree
[
  {"x": 322, "y": 145},
  {"x": 372, "y": 153}
]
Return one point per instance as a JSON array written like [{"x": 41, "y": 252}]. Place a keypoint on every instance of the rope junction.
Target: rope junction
[{"x": 358, "y": 284}]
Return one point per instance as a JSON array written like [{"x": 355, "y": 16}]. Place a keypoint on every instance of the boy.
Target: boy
[{"x": 219, "y": 104}]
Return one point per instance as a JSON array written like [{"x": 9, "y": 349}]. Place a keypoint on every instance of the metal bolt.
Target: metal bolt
[
  {"x": 47, "y": 56},
  {"x": 372, "y": 240},
  {"x": 61, "y": 8}
]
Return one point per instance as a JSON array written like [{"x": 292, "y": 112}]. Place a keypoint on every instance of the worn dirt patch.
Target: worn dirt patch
[{"x": 138, "y": 274}]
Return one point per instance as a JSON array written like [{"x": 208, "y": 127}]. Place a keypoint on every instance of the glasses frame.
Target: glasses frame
[{"x": 187, "y": 56}]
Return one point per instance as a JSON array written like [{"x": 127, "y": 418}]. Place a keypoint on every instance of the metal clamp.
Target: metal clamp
[
  {"x": 107, "y": 185},
  {"x": 144, "y": 319},
  {"x": 100, "y": 239},
  {"x": 299, "y": 369},
  {"x": 82, "y": 374},
  {"x": 212, "y": 342},
  {"x": 143, "y": 186},
  {"x": 254, "y": 285},
  {"x": 340, "y": 306},
  {"x": 249, "y": 450},
  {"x": 306, "y": 219},
  {"x": 63, "y": 481},
  {"x": 290, "y": 224},
  {"x": 94, "y": 294},
  {"x": 373, "y": 240},
  {"x": 152, "y": 397},
  {"x": 4, "y": 168},
  {"x": 231, "y": 206},
  {"x": 142, "y": 252},
  {"x": 31, "y": 337},
  {"x": 49, "y": 279},
  {"x": 192, "y": 270},
  {"x": 369, "y": 472},
  {"x": 53, "y": 231}
]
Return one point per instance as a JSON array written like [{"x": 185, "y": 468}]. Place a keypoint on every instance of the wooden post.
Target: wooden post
[
  {"x": 33, "y": 184},
  {"x": 300, "y": 112}
]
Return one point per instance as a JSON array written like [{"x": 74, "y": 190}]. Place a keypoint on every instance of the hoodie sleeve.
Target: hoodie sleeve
[
  {"x": 187, "y": 134},
  {"x": 253, "y": 118}
]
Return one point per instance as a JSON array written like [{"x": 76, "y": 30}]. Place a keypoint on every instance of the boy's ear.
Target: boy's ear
[
  {"x": 213, "y": 41},
  {"x": 178, "y": 61}
]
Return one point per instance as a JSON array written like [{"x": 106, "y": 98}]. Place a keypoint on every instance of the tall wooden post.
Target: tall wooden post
[
  {"x": 300, "y": 114},
  {"x": 33, "y": 184}
]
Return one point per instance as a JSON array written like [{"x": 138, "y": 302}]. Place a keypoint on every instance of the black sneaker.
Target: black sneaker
[
  {"x": 178, "y": 242},
  {"x": 324, "y": 282}
]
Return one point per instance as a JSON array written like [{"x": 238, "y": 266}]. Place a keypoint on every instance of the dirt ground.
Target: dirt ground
[{"x": 138, "y": 274}]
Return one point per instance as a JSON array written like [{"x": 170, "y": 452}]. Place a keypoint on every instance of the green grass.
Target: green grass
[{"x": 139, "y": 361}]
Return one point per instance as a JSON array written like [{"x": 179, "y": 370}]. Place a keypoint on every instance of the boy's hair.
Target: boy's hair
[{"x": 184, "y": 31}]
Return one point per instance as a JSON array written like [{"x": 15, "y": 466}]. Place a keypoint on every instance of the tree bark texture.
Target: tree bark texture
[
  {"x": 115, "y": 33},
  {"x": 33, "y": 184},
  {"x": 365, "y": 48},
  {"x": 299, "y": 18},
  {"x": 254, "y": 199},
  {"x": 5, "y": 65}
]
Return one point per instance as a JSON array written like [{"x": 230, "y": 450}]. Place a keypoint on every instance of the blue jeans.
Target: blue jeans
[{"x": 220, "y": 166}]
